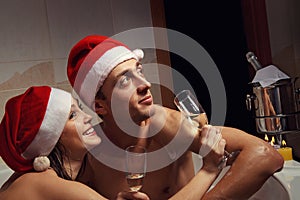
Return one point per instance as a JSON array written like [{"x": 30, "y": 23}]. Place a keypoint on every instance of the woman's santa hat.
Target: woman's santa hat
[
  {"x": 31, "y": 127},
  {"x": 90, "y": 62}
]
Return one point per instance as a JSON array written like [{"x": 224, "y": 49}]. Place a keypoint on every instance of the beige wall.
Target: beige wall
[
  {"x": 284, "y": 27},
  {"x": 36, "y": 37}
]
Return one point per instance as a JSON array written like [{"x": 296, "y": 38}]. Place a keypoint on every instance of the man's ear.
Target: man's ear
[{"x": 100, "y": 107}]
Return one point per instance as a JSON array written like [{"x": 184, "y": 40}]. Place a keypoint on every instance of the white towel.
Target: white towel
[{"x": 268, "y": 75}]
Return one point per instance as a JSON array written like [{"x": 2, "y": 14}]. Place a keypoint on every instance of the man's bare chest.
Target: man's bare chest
[{"x": 159, "y": 184}]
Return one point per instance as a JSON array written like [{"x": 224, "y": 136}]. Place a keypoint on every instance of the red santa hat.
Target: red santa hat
[
  {"x": 31, "y": 127},
  {"x": 90, "y": 62}
]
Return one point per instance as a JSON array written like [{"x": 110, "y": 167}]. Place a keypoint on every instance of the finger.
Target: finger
[
  {"x": 210, "y": 137},
  {"x": 214, "y": 137},
  {"x": 204, "y": 148},
  {"x": 205, "y": 130},
  {"x": 223, "y": 159},
  {"x": 214, "y": 141},
  {"x": 132, "y": 195},
  {"x": 222, "y": 145},
  {"x": 204, "y": 133},
  {"x": 140, "y": 196},
  {"x": 124, "y": 195}
]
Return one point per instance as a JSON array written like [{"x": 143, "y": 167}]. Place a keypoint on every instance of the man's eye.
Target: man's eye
[
  {"x": 72, "y": 115},
  {"x": 140, "y": 72},
  {"x": 124, "y": 81}
]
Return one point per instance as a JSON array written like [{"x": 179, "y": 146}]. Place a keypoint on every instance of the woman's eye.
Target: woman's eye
[{"x": 72, "y": 115}]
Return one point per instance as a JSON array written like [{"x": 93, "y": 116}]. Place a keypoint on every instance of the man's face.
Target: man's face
[{"x": 127, "y": 92}]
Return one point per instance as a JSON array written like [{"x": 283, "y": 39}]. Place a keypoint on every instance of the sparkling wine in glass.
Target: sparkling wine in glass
[
  {"x": 188, "y": 104},
  {"x": 135, "y": 167}
]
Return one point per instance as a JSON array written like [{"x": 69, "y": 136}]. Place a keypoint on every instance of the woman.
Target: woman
[{"x": 44, "y": 138}]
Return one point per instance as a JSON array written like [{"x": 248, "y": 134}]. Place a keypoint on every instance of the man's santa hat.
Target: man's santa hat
[
  {"x": 31, "y": 127},
  {"x": 90, "y": 62}
]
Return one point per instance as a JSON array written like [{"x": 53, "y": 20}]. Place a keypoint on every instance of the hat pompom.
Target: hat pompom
[
  {"x": 41, "y": 163},
  {"x": 139, "y": 53}
]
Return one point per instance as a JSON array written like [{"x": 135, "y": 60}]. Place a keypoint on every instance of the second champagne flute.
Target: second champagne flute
[{"x": 136, "y": 163}]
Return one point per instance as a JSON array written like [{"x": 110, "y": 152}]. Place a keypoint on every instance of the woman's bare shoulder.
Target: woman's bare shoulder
[
  {"x": 36, "y": 179},
  {"x": 27, "y": 185}
]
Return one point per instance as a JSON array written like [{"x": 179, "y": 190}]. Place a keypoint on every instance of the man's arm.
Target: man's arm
[{"x": 256, "y": 162}]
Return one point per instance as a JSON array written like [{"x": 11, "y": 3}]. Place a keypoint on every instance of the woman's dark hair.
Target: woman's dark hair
[
  {"x": 100, "y": 95},
  {"x": 57, "y": 162}
]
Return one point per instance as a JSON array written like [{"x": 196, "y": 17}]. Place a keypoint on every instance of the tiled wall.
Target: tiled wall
[{"x": 37, "y": 35}]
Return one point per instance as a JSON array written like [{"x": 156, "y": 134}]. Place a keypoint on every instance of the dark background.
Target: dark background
[{"x": 218, "y": 27}]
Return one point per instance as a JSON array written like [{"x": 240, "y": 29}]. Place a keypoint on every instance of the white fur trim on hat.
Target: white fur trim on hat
[
  {"x": 57, "y": 113},
  {"x": 101, "y": 69},
  {"x": 139, "y": 53}
]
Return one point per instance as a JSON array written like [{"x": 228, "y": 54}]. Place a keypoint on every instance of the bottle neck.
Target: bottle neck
[{"x": 252, "y": 59}]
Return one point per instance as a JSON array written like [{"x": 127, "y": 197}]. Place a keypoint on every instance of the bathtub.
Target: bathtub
[
  {"x": 283, "y": 185},
  {"x": 5, "y": 172}
]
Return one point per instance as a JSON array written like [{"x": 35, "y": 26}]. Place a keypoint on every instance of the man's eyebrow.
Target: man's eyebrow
[
  {"x": 115, "y": 80},
  {"x": 122, "y": 73}
]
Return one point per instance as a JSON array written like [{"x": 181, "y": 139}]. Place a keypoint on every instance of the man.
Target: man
[{"x": 109, "y": 79}]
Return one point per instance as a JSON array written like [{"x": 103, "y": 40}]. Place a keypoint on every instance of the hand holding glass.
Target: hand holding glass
[
  {"x": 135, "y": 167},
  {"x": 187, "y": 103}
]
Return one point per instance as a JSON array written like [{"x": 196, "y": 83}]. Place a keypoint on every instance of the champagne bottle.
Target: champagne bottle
[{"x": 252, "y": 59}]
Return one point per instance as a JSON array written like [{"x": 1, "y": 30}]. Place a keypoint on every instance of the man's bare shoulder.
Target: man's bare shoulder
[
  {"x": 170, "y": 111},
  {"x": 166, "y": 114}
]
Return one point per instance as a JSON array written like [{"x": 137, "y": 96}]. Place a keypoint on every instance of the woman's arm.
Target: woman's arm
[
  {"x": 76, "y": 190},
  {"x": 47, "y": 185},
  {"x": 202, "y": 181},
  {"x": 197, "y": 187}
]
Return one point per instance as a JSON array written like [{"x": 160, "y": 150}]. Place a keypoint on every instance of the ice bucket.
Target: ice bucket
[{"x": 276, "y": 108}]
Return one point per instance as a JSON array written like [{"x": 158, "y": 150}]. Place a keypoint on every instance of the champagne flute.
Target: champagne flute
[
  {"x": 188, "y": 104},
  {"x": 135, "y": 167}
]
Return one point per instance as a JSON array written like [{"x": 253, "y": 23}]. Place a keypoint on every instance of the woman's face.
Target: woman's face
[{"x": 78, "y": 133}]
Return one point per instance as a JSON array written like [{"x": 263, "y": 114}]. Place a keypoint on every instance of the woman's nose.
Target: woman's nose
[{"x": 87, "y": 118}]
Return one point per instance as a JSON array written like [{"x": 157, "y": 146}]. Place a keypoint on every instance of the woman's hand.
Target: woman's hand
[
  {"x": 125, "y": 195},
  {"x": 213, "y": 146}
]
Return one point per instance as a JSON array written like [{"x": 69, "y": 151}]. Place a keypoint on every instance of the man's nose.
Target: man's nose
[{"x": 142, "y": 84}]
